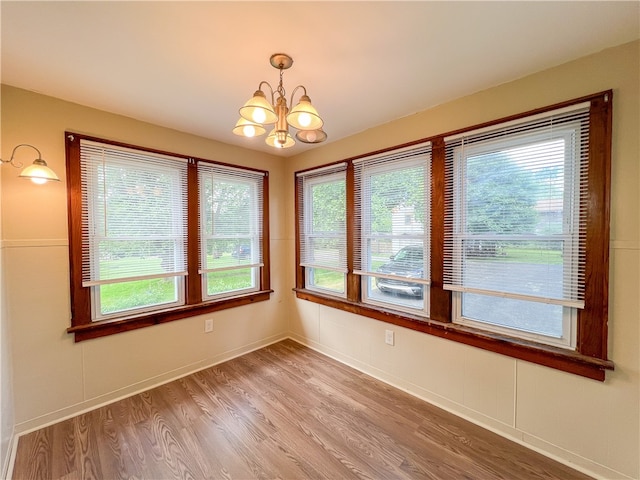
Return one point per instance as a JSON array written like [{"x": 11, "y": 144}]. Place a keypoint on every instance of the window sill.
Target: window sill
[
  {"x": 554, "y": 357},
  {"x": 109, "y": 327}
]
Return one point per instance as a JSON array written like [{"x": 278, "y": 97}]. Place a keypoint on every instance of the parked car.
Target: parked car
[
  {"x": 408, "y": 262},
  {"x": 241, "y": 252}
]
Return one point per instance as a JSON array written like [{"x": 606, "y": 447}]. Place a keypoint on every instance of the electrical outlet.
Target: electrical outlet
[
  {"x": 389, "y": 337},
  {"x": 208, "y": 325}
]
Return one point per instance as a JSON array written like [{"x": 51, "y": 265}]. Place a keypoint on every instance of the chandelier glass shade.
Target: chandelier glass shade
[
  {"x": 246, "y": 128},
  {"x": 311, "y": 136},
  {"x": 273, "y": 140},
  {"x": 258, "y": 112}
]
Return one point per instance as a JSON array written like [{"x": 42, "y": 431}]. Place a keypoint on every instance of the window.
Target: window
[
  {"x": 231, "y": 235},
  {"x": 134, "y": 221},
  {"x": 496, "y": 236},
  {"x": 155, "y": 237},
  {"x": 516, "y": 248},
  {"x": 323, "y": 236},
  {"x": 392, "y": 211}
]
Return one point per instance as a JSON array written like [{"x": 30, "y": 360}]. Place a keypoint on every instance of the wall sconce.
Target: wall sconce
[{"x": 38, "y": 171}]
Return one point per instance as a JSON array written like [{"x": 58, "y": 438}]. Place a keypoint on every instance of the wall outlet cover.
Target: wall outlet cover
[{"x": 389, "y": 337}]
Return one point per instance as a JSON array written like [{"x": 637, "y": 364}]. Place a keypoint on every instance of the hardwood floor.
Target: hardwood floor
[{"x": 284, "y": 411}]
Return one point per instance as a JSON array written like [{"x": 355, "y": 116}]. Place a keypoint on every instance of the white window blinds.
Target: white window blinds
[
  {"x": 515, "y": 221},
  {"x": 134, "y": 214},
  {"x": 392, "y": 208},
  {"x": 323, "y": 235},
  {"x": 231, "y": 216}
]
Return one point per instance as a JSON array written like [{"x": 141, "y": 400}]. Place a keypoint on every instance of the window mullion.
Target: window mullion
[
  {"x": 440, "y": 299},
  {"x": 194, "y": 279},
  {"x": 265, "y": 276}
]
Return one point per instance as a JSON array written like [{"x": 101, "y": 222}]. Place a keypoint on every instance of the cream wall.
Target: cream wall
[
  {"x": 53, "y": 376},
  {"x": 592, "y": 425}
]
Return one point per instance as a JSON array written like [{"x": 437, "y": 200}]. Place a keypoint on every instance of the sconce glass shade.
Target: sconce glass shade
[
  {"x": 258, "y": 110},
  {"x": 304, "y": 116},
  {"x": 271, "y": 140},
  {"x": 245, "y": 128},
  {"x": 39, "y": 173},
  {"x": 311, "y": 136}
]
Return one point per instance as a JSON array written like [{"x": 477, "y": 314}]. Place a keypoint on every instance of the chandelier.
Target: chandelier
[{"x": 258, "y": 113}]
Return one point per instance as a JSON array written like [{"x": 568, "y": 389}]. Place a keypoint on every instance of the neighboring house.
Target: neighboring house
[{"x": 404, "y": 222}]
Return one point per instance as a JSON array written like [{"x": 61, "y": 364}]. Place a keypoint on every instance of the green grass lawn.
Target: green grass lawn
[
  {"x": 229, "y": 280},
  {"x": 529, "y": 255},
  {"x": 117, "y": 297},
  {"x": 328, "y": 279}
]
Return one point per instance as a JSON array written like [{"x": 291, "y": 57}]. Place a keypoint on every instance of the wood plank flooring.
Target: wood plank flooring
[{"x": 284, "y": 411}]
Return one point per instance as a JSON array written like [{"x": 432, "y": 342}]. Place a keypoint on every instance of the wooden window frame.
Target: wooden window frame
[
  {"x": 590, "y": 357},
  {"x": 82, "y": 325}
]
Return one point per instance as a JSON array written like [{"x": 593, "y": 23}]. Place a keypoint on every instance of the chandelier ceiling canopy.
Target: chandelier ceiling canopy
[{"x": 260, "y": 112}]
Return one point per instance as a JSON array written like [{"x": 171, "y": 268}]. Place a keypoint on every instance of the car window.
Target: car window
[{"x": 409, "y": 255}]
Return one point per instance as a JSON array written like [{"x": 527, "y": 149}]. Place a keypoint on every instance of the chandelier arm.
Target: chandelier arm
[
  {"x": 294, "y": 92},
  {"x": 270, "y": 88}
]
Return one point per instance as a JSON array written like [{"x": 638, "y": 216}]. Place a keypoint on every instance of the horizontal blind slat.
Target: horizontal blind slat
[
  {"x": 323, "y": 231},
  {"x": 230, "y": 214},
  {"x": 392, "y": 209},
  {"x": 133, "y": 214},
  {"x": 516, "y": 203}
]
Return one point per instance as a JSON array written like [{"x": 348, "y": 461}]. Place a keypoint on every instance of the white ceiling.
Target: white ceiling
[{"x": 191, "y": 65}]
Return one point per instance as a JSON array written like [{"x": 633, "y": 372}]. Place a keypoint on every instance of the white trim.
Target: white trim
[
  {"x": 10, "y": 460},
  {"x": 624, "y": 244},
  {"x": 44, "y": 242},
  {"x": 421, "y": 281},
  {"x": 94, "y": 283},
  {"x": 515, "y": 296},
  {"x": 233, "y": 267},
  {"x": 324, "y": 267}
]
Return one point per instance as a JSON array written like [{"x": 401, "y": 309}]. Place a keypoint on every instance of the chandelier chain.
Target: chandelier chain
[{"x": 280, "y": 89}]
